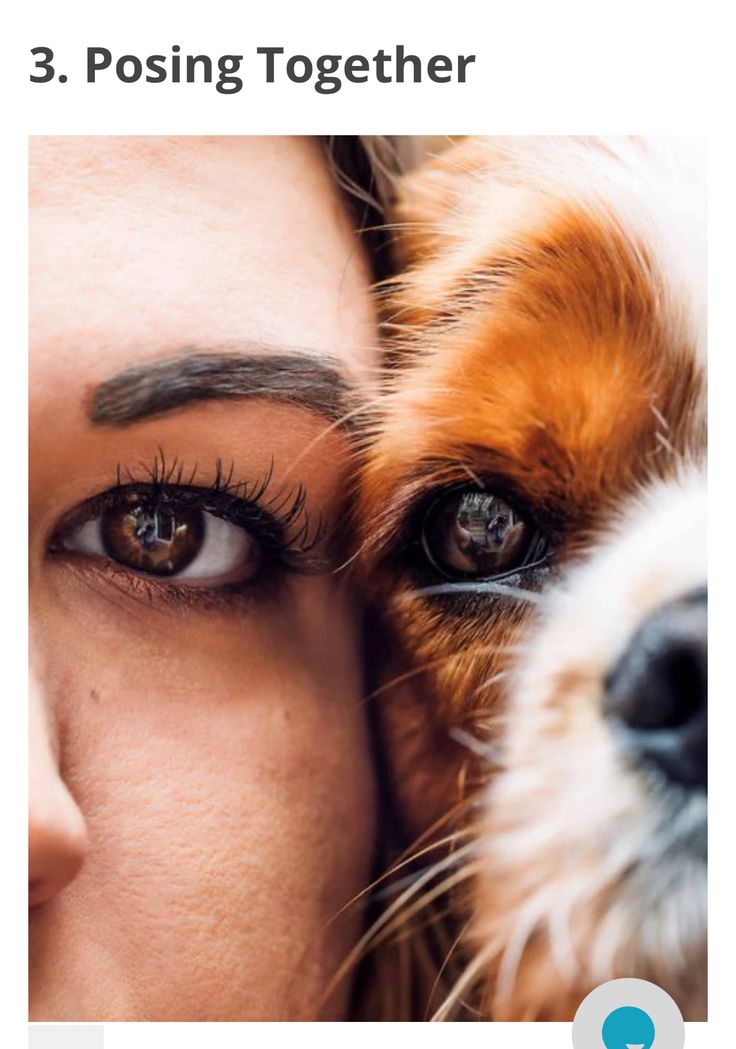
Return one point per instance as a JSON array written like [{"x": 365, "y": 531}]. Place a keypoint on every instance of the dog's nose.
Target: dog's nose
[{"x": 657, "y": 691}]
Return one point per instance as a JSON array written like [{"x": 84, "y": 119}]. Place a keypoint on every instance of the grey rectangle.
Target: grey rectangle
[{"x": 66, "y": 1036}]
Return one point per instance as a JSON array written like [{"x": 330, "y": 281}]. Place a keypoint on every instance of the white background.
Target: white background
[{"x": 563, "y": 67}]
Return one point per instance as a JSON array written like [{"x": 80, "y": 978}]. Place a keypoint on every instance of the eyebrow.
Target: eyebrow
[{"x": 303, "y": 380}]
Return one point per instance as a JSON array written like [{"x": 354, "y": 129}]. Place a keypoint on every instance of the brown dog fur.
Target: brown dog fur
[{"x": 542, "y": 337}]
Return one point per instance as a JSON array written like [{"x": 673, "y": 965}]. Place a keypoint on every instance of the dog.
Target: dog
[{"x": 531, "y": 512}]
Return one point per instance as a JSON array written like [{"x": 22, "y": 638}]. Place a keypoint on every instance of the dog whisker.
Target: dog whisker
[
  {"x": 448, "y": 958},
  {"x": 659, "y": 417},
  {"x": 476, "y": 746},
  {"x": 667, "y": 445},
  {"x": 487, "y": 586},
  {"x": 514, "y": 951},
  {"x": 372, "y": 936},
  {"x": 467, "y": 980},
  {"x": 491, "y": 681}
]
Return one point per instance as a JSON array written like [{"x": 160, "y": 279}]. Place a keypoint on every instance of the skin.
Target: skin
[{"x": 202, "y": 798}]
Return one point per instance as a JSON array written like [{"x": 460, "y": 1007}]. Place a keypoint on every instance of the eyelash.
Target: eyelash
[{"x": 275, "y": 516}]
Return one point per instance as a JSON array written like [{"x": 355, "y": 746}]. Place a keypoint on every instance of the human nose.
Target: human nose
[{"x": 57, "y": 836}]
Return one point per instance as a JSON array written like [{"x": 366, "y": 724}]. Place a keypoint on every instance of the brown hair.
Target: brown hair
[{"x": 364, "y": 168}]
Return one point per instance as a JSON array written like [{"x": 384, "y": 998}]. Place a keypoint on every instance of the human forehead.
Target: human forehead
[
  {"x": 215, "y": 168},
  {"x": 209, "y": 239}
]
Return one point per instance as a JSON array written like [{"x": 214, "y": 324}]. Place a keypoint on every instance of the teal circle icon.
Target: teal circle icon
[{"x": 628, "y": 1028}]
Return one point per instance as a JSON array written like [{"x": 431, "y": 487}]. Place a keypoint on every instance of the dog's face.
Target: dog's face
[{"x": 534, "y": 527}]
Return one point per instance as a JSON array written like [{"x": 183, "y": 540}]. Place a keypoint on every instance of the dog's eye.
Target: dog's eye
[{"x": 475, "y": 534}]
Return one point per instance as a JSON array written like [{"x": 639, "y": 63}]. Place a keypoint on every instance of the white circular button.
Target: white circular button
[{"x": 628, "y": 1014}]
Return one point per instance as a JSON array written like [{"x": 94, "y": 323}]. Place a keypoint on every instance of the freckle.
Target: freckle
[{"x": 94, "y": 695}]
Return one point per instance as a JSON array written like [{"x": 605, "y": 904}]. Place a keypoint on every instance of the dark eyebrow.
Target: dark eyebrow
[{"x": 304, "y": 380}]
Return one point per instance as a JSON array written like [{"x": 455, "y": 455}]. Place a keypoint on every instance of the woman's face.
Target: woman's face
[{"x": 201, "y": 792}]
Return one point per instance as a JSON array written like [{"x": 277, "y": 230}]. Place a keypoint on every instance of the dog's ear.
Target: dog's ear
[{"x": 427, "y": 199}]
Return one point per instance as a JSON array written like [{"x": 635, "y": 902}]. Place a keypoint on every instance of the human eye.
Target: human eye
[{"x": 226, "y": 536}]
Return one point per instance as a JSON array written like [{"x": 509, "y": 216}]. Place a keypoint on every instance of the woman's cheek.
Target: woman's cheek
[{"x": 228, "y": 786}]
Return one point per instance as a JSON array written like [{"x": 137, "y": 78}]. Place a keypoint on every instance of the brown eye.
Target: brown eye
[
  {"x": 168, "y": 537},
  {"x": 160, "y": 540},
  {"x": 473, "y": 534}
]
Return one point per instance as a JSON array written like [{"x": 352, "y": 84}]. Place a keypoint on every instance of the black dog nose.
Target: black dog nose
[{"x": 657, "y": 691}]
